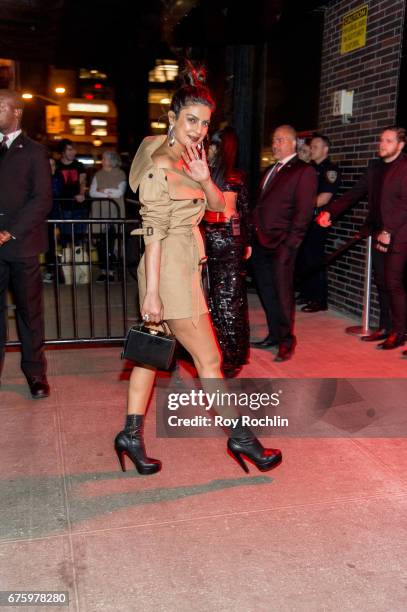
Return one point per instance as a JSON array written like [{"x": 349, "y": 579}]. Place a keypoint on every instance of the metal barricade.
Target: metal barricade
[{"x": 79, "y": 307}]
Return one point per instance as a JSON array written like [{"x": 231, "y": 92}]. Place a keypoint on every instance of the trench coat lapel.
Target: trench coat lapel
[{"x": 142, "y": 160}]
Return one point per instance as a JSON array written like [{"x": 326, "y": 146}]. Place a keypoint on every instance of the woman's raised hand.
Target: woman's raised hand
[{"x": 196, "y": 166}]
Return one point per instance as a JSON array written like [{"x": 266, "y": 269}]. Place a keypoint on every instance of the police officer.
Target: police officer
[{"x": 313, "y": 284}]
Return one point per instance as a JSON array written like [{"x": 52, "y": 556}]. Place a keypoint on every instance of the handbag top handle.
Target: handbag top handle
[{"x": 164, "y": 325}]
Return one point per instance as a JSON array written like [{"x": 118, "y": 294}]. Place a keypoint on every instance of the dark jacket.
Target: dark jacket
[
  {"x": 285, "y": 207},
  {"x": 25, "y": 197},
  {"x": 390, "y": 206}
]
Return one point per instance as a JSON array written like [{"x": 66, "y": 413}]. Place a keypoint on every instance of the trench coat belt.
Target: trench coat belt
[
  {"x": 197, "y": 259},
  {"x": 142, "y": 231}
]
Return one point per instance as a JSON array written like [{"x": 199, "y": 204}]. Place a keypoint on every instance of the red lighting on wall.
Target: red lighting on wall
[
  {"x": 89, "y": 96},
  {"x": 97, "y": 86}
]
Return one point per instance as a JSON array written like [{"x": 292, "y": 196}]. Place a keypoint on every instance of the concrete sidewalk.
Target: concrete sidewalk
[{"x": 326, "y": 531}]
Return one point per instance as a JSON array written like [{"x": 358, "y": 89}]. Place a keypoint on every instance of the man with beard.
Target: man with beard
[{"x": 385, "y": 184}]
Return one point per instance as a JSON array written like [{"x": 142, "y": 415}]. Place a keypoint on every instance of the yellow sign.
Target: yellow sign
[
  {"x": 354, "y": 30},
  {"x": 53, "y": 118}
]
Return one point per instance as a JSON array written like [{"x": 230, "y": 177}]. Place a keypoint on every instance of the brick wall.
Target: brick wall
[{"x": 373, "y": 73}]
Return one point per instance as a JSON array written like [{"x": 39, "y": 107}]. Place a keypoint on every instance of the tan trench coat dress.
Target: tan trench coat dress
[{"x": 172, "y": 205}]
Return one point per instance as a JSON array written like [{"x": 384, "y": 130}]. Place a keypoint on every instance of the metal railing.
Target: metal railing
[
  {"x": 89, "y": 273},
  {"x": 363, "y": 329},
  {"x": 80, "y": 308}
]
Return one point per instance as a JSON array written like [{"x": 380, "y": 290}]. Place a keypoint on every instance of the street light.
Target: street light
[{"x": 27, "y": 95}]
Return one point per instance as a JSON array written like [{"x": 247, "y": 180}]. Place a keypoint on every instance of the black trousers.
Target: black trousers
[
  {"x": 273, "y": 273},
  {"x": 390, "y": 279},
  {"x": 394, "y": 267},
  {"x": 25, "y": 277},
  {"x": 312, "y": 282},
  {"x": 383, "y": 294}
]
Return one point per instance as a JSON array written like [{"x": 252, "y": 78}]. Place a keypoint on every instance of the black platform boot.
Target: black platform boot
[
  {"x": 243, "y": 443},
  {"x": 130, "y": 442}
]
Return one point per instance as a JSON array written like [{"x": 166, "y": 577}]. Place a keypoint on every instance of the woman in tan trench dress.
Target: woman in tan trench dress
[{"x": 174, "y": 189}]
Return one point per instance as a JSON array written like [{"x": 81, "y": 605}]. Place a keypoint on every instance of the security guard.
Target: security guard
[{"x": 312, "y": 274}]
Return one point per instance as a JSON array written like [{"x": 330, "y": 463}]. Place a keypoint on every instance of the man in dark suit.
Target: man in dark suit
[
  {"x": 25, "y": 200},
  {"x": 281, "y": 217},
  {"x": 385, "y": 185}
]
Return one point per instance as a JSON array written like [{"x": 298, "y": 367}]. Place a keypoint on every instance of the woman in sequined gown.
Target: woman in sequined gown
[{"x": 226, "y": 239}]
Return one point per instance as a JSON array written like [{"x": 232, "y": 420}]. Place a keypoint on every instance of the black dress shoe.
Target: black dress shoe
[
  {"x": 285, "y": 352},
  {"x": 300, "y": 299},
  {"x": 268, "y": 341},
  {"x": 379, "y": 334},
  {"x": 392, "y": 341},
  {"x": 313, "y": 307},
  {"x": 39, "y": 387}
]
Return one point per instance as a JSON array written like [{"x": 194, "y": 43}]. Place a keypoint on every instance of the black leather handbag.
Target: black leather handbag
[{"x": 149, "y": 346}]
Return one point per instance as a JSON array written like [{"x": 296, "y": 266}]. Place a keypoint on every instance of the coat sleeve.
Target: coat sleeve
[
  {"x": 351, "y": 197},
  {"x": 39, "y": 200},
  {"x": 155, "y": 205},
  {"x": 305, "y": 194}
]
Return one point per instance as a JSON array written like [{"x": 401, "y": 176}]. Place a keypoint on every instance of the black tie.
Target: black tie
[
  {"x": 3, "y": 147},
  {"x": 272, "y": 174}
]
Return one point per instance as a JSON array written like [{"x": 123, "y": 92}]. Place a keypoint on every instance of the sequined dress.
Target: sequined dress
[{"x": 226, "y": 292}]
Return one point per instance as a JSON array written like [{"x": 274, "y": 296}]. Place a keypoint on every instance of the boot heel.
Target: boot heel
[
  {"x": 130, "y": 442},
  {"x": 237, "y": 456},
  {"x": 252, "y": 450},
  {"x": 120, "y": 456}
]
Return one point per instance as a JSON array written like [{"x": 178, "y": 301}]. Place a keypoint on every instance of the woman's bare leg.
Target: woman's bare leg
[
  {"x": 130, "y": 442},
  {"x": 140, "y": 388},
  {"x": 201, "y": 343}
]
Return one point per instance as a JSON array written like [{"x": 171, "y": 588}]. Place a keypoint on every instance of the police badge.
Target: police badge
[{"x": 331, "y": 175}]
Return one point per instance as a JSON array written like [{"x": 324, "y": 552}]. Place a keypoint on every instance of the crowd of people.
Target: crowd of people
[
  {"x": 74, "y": 200},
  {"x": 197, "y": 222}
]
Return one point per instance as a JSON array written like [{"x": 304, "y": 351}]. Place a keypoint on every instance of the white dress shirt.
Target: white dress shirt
[
  {"x": 10, "y": 137},
  {"x": 285, "y": 161},
  {"x": 275, "y": 169}
]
